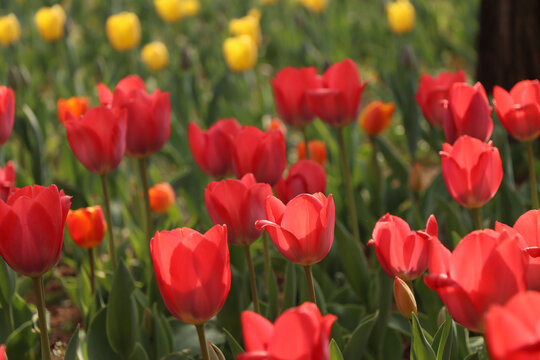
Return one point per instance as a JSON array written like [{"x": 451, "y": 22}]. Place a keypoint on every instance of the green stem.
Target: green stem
[
  {"x": 92, "y": 270},
  {"x": 477, "y": 218},
  {"x": 377, "y": 175},
  {"x": 267, "y": 261},
  {"x": 252, "y": 280},
  {"x": 304, "y": 135},
  {"x": 311, "y": 288},
  {"x": 348, "y": 184},
  {"x": 532, "y": 175},
  {"x": 112, "y": 249},
  {"x": 8, "y": 314},
  {"x": 202, "y": 341},
  {"x": 40, "y": 304},
  {"x": 144, "y": 178}
]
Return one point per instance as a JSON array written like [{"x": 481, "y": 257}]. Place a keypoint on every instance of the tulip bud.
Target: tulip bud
[
  {"x": 87, "y": 226},
  {"x": 316, "y": 6},
  {"x": 247, "y": 25},
  {"x": 240, "y": 53},
  {"x": 123, "y": 31},
  {"x": 400, "y": 16},
  {"x": 148, "y": 325},
  {"x": 214, "y": 352},
  {"x": 376, "y": 117},
  {"x": 168, "y": 10},
  {"x": 189, "y": 7},
  {"x": 10, "y": 30},
  {"x": 50, "y": 22},
  {"x": 155, "y": 56},
  {"x": 76, "y": 105},
  {"x": 404, "y": 298},
  {"x": 161, "y": 196}
]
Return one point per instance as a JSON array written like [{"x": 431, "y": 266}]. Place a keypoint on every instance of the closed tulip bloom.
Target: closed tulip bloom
[
  {"x": 32, "y": 228},
  {"x": 7, "y": 180},
  {"x": 290, "y": 94},
  {"x": 317, "y": 151},
  {"x": 401, "y": 251},
  {"x": 189, "y": 8},
  {"x": 168, "y": 10},
  {"x": 213, "y": 149},
  {"x": 433, "y": 92},
  {"x": 76, "y": 105},
  {"x": 123, "y": 31},
  {"x": 261, "y": 153},
  {"x": 127, "y": 85},
  {"x": 155, "y": 56},
  {"x": 400, "y": 16},
  {"x": 98, "y": 138},
  {"x": 238, "y": 204},
  {"x": 87, "y": 226},
  {"x": 513, "y": 330},
  {"x": 338, "y": 100},
  {"x": 162, "y": 197},
  {"x": 317, "y": 6},
  {"x": 519, "y": 110},
  {"x": 304, "y": 177},
  {"x": 300, "y": 333},
  {"x": 7, "y": 113},
  {"x": 472, "y": 171},
  {"x": 486, "y": 268},
  {"x": 240, "y": 53},
  {"x": 50, "y": 22},
  {"x": 192, "y": 271},
  {"x": 10, "y": 29},
  {"x": 468, "y": 113},
  {"x": 376, "y": 117},
  {"x": 247, "y": 25},
  {"x": 275, "y": 124},
  {"x": 404, "y": 297},
  {"x": 302, "y": 230}
]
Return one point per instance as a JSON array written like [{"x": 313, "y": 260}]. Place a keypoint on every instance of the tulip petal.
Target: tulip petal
[{"x": 257, "y": 331}]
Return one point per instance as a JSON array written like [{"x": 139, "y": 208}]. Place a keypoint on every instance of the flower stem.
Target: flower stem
[
  {"x": 267, "y": 261},
  {"x": 202, "y": 341},
  {"x": 477, "y": 218},
  {"x": 348, "y": 184},
  {"x": 252, "y": 280},
  {"x": 92, "y": 270},
  {"x": 40, "y": 304},
  {"x": 311, "y": 288},
  {"x": 532, "y": 176},
  {"x": 144, "y": 178},
  {"x": 304, "y": 135},
  {"x": 112, "y": 249},
  {"x": 8, "y": 314}
]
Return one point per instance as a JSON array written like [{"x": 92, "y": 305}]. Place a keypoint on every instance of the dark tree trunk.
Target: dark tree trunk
[{"x": 508, "y": 42}]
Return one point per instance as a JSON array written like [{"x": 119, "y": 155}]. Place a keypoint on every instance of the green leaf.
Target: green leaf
[
  {"x": 23, "y": 343},
  {"x": 236, "y": 348},
  {"x": 445, "y": 339},
  {"x": 273, "y": 297},
  {"x": 7, "y": 283},
  {"x": 335, "y": 352},
  {"x": 162, "y": 337},
  {"x": 98, "y": 347},
  {"x": 420, "y": 347},
  {"x": 360, "y": 336},
  {"x": 139, "y": 353},
  {"x": 290, "y": 287},
  {"x": 71, "y": 351}
]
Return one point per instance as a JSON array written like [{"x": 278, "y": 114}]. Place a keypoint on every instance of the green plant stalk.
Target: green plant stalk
[
  {"x": 311, "y": 288},
  {"x": 144, "y": 178},
  {"x": 532, "y": 175},
  {"x": 202, "y": 341},
  {"x": 8, "y": 314},
  {"x": 305, "y": 137},
  {"x": 477, "y": 218},
  {"x": 378, "y": 176},
  {"x": 112, "y": 249},
  {"x": 92, "y": 270},
  {"x": 348, "y": 184},
  {"x": 40, "y": 304},
  {"x": 252, "y": 280},
  {"x": 267, "y": 260}
]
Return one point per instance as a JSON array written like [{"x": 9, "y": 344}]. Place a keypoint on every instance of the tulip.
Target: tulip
[
  {"x": 317, "y": 151},
  {"x": 400, "y": 16},
  {"x": 402, "y": 252},
  {"x": 10, "y": 29},
  {"x": 304, "y": 177},
  {"x": 127, "y": 85},
  {"x": 247, "y": 25},
  {"x": 123, "y": 31},
  {"x": 297, "y": 334},
  {"x": 189, "y": 8},
  {"x": 513, "y": 330},
  {"x": 7, "y": 113},
  {"x": 162, "y": 197},
  {"x": 261, "y": 153},
  {"x": 486, "y": 268},
  {"x": 404, "y": 298},
  {"x": 155, "y": 56},
  {"x": 240, "y": 53},
  {"x": 468, "y": 113},
  {"x": 87, "y": 226},
  {"x": 50, "y": 22},
  {"x": 7, "y": 180},
  {"x": 76, "y": 105},
  {"x": 3, "y": 355},
  {"x": 275, "y": 124},
  {"x": 290, "y": 87},
  {"x": 174, "y": 10},
  {"x": 433, "y": 92},
  {"x": 376, "y": 117},
  {"x": 317, "y": 6}
]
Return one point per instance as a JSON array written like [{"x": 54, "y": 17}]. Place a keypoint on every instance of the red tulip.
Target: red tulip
[
  {"x": 161, "y": 197},
  {"x": 317, "y": 151},
  {"x": 76, "y": 105},
  {"x": 302, "y": 230},
  {"x": 513, "y": 330},
  {"x": 261, "y": 153},
  {"x": 32, "y": 228},
  {"x": 401, "y": 251},
  {"x": 237, "y": 204},
  {"x": 98, "y": 138},
  {"x": 519, "y": 110},
  {"x": 86, "y": 226},
  {"x": 3, "y": 355},
  {"x": 290, "y": 86},
  {"x": 468, "y": 113},
  {"x": 338, "y": 100},
  {"x": 213, "y": 149},
  {"x": 486, "y": 268},
  {"x": 432, "y": 95},
  {"x": 304, "y": 177},
  {"x": 300, "y": 333},
  {"x": 126, "y": 85},
  {"x": 7, "y": 180},
  {"x": 7, "y": 113},
  {"x": 193, "y": 271},
  {"x": 472, "y": 171}
]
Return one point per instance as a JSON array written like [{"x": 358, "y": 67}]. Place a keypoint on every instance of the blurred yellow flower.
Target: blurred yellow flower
[
  {"x": 189, "y": 7},
  {"x": 10, "y": 30},
  {"x": 247, "y": 25},
  {"x": 240, "y": 52},
  {"x": 123, "y": 31},
  {"x": 50, "y": 22},
  {"x": 400, "y": 15},
  {"x": 315, "y": 5},
  {"x": 268, "y": 2},
  {"x": 155, "y": 55},
  {"x": 174, "y": 10}
]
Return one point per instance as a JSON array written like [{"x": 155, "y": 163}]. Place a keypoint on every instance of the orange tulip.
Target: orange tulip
[
  {"x": 162, "y": 196},
  {"x": 87, "y": 226},
  {"x": 76, "y": 105},
  {"x": 317, "y": 151},
  {"x": 376, "y": 117}
]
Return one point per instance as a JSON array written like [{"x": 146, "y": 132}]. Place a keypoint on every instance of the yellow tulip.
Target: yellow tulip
[
  {"x": 240, "y": 52},
  {"x": 315, "y": 5},
  {"x": 400, "y": 15},
  {"x": 174, "y": 10},
  {"x": 247, "y": 25},
  {"x": 10, "y": 30},
  {"x": 123, "y": 31},
  {"x": 155, "y": 55},
  {"x": 189, "y": 7},
  {"x": 50, "y": 22}
]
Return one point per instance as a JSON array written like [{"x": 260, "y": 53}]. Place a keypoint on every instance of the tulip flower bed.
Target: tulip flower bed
[{"x": 288, "y": 180}]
